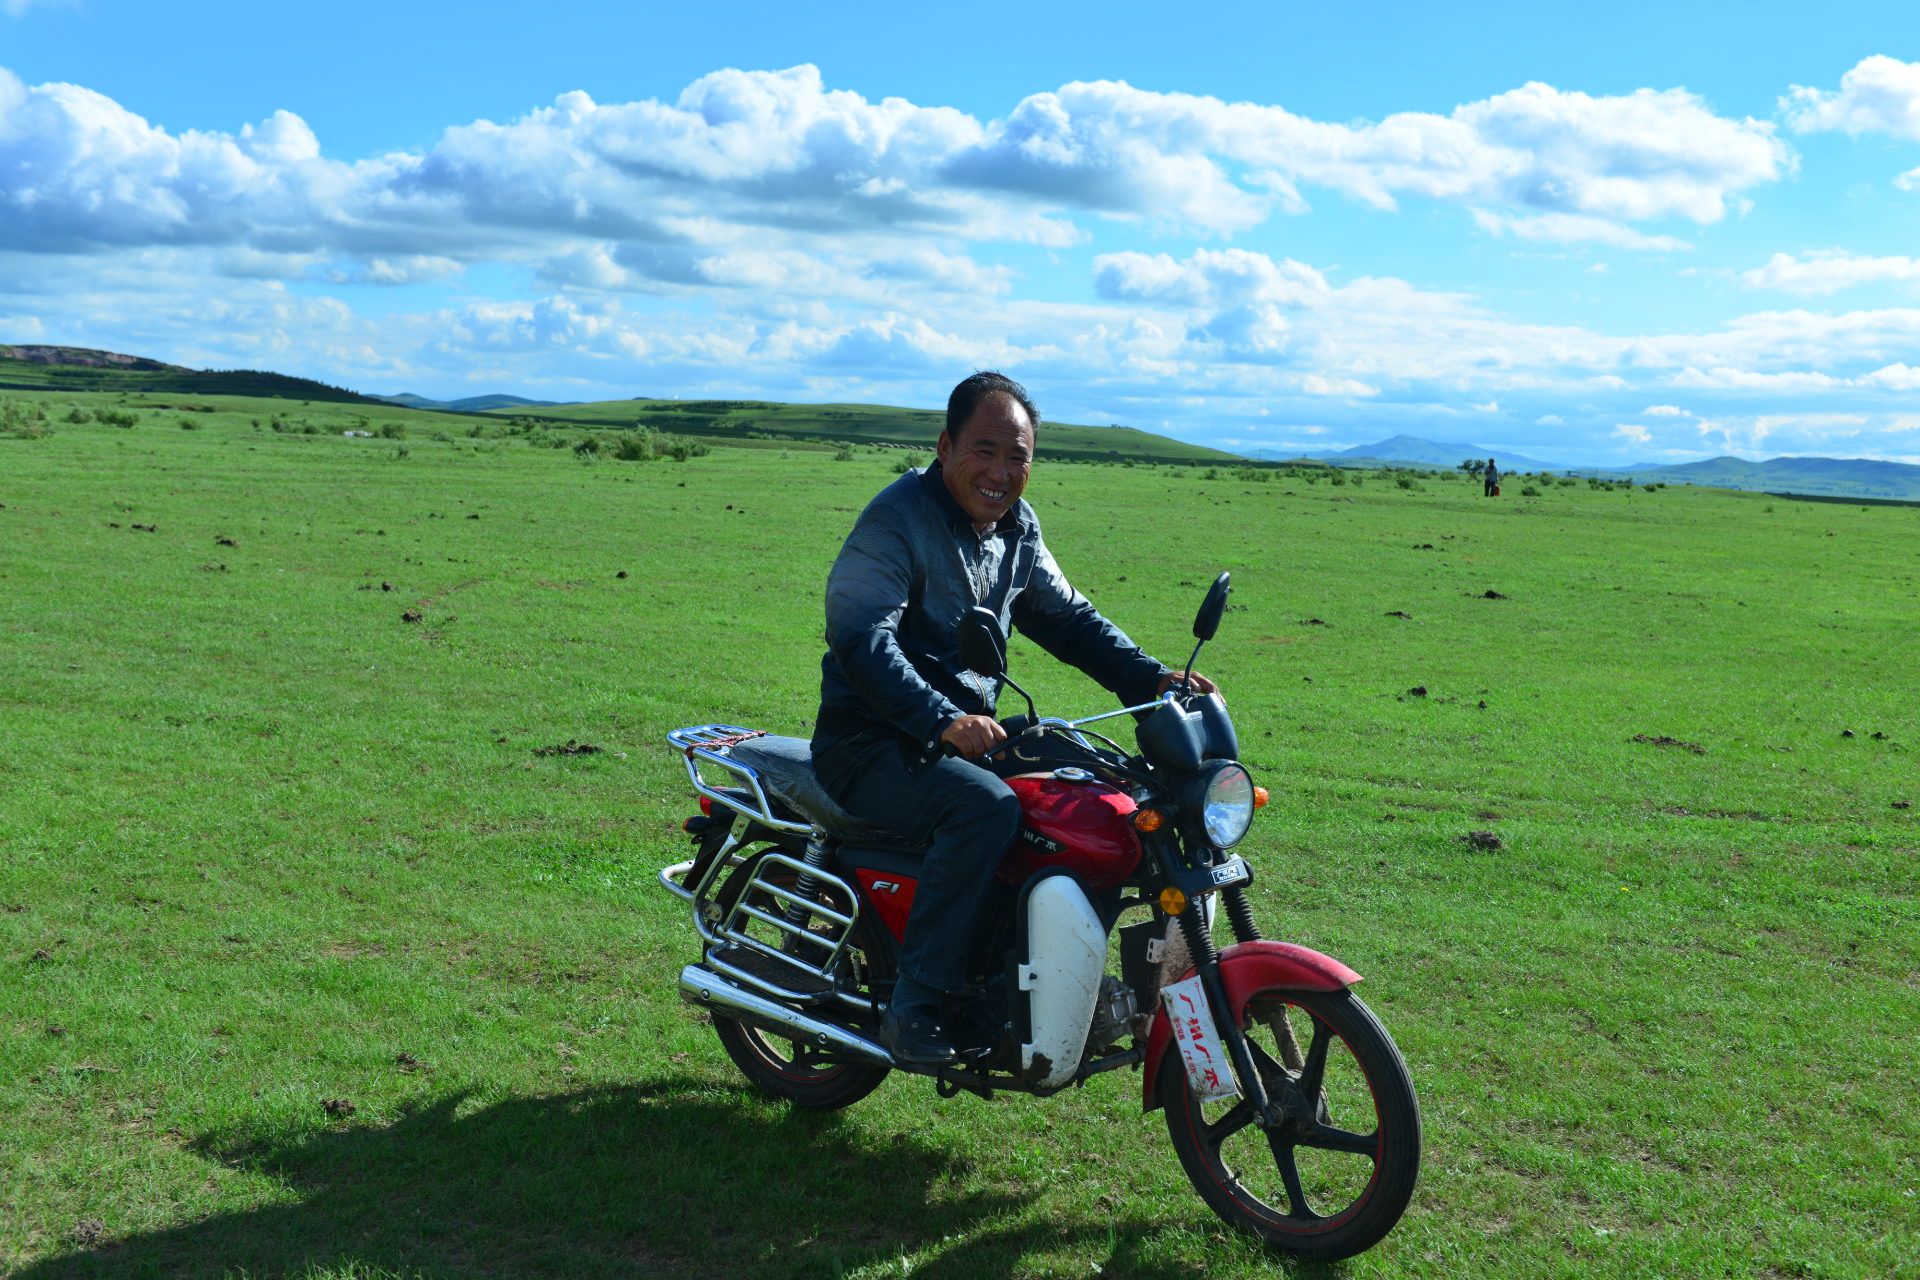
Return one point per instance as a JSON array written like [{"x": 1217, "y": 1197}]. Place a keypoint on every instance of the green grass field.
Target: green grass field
[{"x": 311, "y": 966}]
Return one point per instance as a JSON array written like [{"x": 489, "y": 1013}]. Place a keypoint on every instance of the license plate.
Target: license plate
[
  {"x": 1231, "y": 872},
  {"x": 1209, "y": 1074}
]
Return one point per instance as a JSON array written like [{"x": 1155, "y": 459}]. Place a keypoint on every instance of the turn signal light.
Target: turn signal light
[
  {"x": 1259, "y": 797},
  {"x": 1149, "y": 819},
  {"x": 1172, "y": 901}
]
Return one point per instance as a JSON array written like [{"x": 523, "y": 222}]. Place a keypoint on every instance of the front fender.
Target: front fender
[{"x": 1246, "y": 969}]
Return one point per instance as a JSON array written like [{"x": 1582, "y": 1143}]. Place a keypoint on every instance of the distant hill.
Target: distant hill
[
  {"x": 862, "y": 424},
  {"x": 1413, "y": 450},
  {"x": 1833, "y": 477},
  {"x": 471, "y": 404},
  {"x": 41, "y": 368},
  {"x": 1815, "y": 477}
]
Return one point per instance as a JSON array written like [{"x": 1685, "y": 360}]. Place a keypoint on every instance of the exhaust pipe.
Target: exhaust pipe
[{"x": 711, "y": 991}]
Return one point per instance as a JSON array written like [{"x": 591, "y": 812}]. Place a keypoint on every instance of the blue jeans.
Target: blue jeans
[{"x": 969, "y": 815}]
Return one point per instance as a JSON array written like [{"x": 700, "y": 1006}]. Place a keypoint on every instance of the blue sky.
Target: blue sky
[{"x": 1649, "y": 233}]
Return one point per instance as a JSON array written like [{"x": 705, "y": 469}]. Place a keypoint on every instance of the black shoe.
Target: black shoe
[{"x": 914, "y": 1035}]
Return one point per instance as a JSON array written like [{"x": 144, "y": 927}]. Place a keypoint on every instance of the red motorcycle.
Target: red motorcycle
[{"x": 1286, "y": 1100}]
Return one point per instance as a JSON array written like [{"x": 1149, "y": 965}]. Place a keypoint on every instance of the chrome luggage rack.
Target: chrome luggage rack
[
  {"x": 793, "y": 959},
  {"x": 708, "y": 744}
]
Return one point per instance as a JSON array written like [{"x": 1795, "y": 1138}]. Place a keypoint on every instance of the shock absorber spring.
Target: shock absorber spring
[
  {"x": 1193, "y": 922},
  {"x": 1240, "y": 913},
  {"x": 806, "y": 886}
]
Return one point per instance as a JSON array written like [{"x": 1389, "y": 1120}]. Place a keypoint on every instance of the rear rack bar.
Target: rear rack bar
[
  {"x": 707, "y": 744},
  {"x": 809, "y": 972}
]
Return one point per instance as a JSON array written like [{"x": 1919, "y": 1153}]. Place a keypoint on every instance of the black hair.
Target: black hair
[{"x": 976, "y": 387}]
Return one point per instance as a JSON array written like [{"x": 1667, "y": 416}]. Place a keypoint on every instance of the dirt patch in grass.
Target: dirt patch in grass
[
  {"x": 570, "y": 748},
  {"x": 1663, "y": 740}
]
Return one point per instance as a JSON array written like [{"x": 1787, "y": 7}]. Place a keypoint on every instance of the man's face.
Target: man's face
[{"x": 986, "y": 468}]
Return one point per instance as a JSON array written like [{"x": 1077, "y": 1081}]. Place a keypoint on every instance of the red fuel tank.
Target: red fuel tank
[{"x": 1086, "y": 827}]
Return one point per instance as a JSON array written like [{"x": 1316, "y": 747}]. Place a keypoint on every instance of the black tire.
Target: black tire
[
  {"x": 794, "y": 1071},
  {"x": 1322, "y": 1186},
  {"x": 787, "y": 1070}
]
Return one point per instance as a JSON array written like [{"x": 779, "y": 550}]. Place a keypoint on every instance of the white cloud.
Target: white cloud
[
  {"x": 1894, "y": 377},
  {"x": 1665, "y": 411},
  {"x": 1633, "y": 433},
  {"x": 1569, "y": 228},
  {"x": 1726, "y": 379},
  {"x": 1550, "y": 420},
  {"x": 779, "y": 154},
  {"x": 1234, "y": 277},
  {"x": 1829, "y": 271},
  {"x": 1536, "y": 150},
  {"x": 1314, "y": 384},
  {"x": 1239, "y": 299},
  {"x": 408, "y": 269},
  {"x": 1877, "y": 95}
]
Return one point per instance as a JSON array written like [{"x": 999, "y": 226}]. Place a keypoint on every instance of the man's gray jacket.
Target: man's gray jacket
[{"x": 908, "y": 573}]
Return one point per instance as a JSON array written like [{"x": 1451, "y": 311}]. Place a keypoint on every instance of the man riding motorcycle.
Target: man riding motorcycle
[{"x": 900, "y": 713}]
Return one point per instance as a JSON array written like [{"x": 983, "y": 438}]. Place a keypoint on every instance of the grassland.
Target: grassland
[{"x": 266, "y": 846}]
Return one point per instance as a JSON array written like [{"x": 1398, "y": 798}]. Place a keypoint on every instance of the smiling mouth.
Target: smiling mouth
[{"x": 991, "y": 495}]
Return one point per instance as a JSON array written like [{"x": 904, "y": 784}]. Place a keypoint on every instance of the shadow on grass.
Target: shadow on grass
[{"x": 666, "y": 1180}]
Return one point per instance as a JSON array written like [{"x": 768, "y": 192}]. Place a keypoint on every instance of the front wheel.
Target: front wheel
[{"x": 1334, "y": 1176}]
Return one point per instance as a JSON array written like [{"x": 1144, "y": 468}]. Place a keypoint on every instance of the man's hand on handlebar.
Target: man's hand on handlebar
[
  {"x": 1196, "y": 682},
  {"x": 973, "y": 736}
]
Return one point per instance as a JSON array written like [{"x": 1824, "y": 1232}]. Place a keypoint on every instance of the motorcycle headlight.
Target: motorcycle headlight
[{"x": 1224, "y": 801}]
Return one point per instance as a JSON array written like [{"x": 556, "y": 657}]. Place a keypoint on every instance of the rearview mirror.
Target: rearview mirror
[
  {"x": 983, "y": 647},
  {"x": 1207, "y": 621}
]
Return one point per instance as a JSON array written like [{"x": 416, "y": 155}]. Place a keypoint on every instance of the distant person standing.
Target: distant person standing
[{"x": 1492, "y": 477}]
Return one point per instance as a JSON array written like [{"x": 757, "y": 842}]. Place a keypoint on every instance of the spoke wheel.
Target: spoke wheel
[
  {"x": 1334, "y": 1176},
  {"x": 794, "y": 1070}
]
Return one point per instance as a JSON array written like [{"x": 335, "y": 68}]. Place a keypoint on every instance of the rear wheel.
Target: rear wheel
[
  {"x": 1336, "y": 1174},
  {"x": 792, "y": 1069}
]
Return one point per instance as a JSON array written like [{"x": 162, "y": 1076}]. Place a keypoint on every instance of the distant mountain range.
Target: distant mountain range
[
  {"x": 1431, "y": 453},
  {"x": 1816, "y": 477},
  {"x": 471, "y": 404},
  {"x": 1831, "y": 477}
]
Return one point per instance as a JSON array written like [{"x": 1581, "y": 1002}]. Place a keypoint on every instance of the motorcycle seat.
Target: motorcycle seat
[{"x": 785, "y": 768}]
